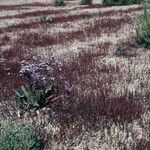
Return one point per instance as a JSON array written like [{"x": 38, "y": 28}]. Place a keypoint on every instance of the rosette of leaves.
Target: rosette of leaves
[
  {"x": 143, "y": 29},
  {"x": 34, "y": 95},
  {"x": 19, "y": 137}
]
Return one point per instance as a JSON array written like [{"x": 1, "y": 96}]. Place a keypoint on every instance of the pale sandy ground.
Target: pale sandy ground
[{"x": 8, "y": 2}]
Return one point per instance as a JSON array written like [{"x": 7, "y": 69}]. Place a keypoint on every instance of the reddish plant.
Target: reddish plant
[
  {"x": 34, "y": 14},
  {"x": 4, "y": 40},
  {"x": 71, "y": 18},
  {"x": 9, "y": 80},
  {"x": 34, "y": 39},
  {"x": 90, "y": 101},
  {"x": 142, "y": 144}
]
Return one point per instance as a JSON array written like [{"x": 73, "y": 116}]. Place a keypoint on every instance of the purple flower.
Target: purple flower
[{"x": 45, "y": 72}]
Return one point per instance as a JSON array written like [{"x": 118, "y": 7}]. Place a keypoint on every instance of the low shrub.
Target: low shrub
[
  {"x": 58, "y": 2},
  {"x": 121, "y": 2},
  {"x": 85, "y": 2},
  {"x": 19, "y": 137},
  {"x": 45, "y": 83},
  {"x": 143, "y": 29}
]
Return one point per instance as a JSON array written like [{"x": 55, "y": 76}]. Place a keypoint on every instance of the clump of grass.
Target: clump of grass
[
  {"x": 121, "y": 2},
  {"x": 58, "y": 2},
  {"x": 143, "y": 30},
  {"x": 85, "y": 2},
  {"x": 19, "y": 137}
]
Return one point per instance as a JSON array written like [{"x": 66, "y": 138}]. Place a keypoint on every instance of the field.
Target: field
[{"x": 109, "y": 73}]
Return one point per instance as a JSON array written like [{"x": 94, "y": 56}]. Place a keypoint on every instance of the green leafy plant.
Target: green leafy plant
[
  {"x": 143, "y": 29},
  {"x": 85, "y": 2},
  {"x": 19, "y": 137},
  {"x": 46, "y": 19},
  {"x": 30, "y": 97},
  {"x": 121, "y": 2},
  {"x": 58, "y": 2}
]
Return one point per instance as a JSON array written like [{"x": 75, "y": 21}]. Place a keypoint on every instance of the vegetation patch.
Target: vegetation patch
[
  {"x": 45, "y": 84},
  {"x": 76, "y": 74},
  {"x": 19, "y": 137},
  {"x": 85, "y": 2},
  {"x": 58, "y": 2},
  {"x": 143, "y": 30},
  {"x": 121, "y": 2}
]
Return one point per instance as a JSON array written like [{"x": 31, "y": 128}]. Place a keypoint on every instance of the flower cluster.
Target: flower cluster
[{"x": 42, "y": 72}]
